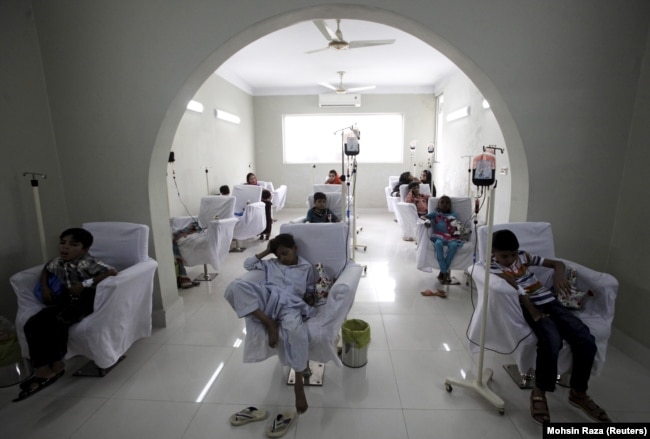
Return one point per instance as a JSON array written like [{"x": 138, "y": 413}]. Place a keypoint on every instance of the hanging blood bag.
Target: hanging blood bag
[{"x": 484, "y": 169}]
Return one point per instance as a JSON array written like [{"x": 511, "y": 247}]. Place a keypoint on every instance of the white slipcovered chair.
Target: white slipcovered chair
[
  {"x": 333, "y": 204},
  {"x": 425, "y": 255},
  {"x": 506, "y": 329},
  {"x": 327, "y": 188},
  {"x": 318, "y": 243},
  {"x": 123, "y": 303},
  {"x": 407, "y": 215},
  {"x": 390, "y": 200},
  {"x": 279, "y": 197},
  {"x": 211, "y": 245},
  {"x": 250, "y": 212}
]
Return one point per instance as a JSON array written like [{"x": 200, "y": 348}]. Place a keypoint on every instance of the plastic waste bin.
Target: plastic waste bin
[{"x": 356, "y": 338}]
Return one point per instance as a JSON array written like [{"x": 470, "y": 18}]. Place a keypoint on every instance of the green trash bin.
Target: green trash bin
[{"x": 356, "y": 338}]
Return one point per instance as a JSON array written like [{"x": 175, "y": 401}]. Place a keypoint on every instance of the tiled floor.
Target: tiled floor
[{"x": 161, "y": 390}]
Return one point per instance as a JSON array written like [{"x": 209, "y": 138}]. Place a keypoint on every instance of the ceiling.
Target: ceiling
[{"x": 278, "y": 65}]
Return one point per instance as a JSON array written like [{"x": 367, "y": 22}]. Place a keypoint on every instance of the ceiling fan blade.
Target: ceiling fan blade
[
  {"x": 318, "y": 50},
  {"x": 367, "y": 87},
  {"x": 326, "y": 31},
  {"x": 330, "y": 86},
  {"x": 369, "y": 43}
]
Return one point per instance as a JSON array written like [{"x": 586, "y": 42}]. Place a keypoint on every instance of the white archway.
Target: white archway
[{"x": 158, "y": 188}]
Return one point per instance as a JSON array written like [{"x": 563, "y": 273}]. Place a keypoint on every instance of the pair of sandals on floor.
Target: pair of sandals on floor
[
  {"x": 35, "y": 384},
  {"x": 445, "y": 279},
  {"x": 277, "y": 428},
  {"x": 540, "y": 413}
]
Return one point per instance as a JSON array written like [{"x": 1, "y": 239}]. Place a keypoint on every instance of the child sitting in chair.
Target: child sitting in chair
[
  {"x": 414, "y": 196},
  {"x": 320, "y": 213},
  {"x": 67, "y": 287},
  {"x": 278, "y": 303},
  {"x": 551, "y": 322},
  {"x": 445, "y": 234}
]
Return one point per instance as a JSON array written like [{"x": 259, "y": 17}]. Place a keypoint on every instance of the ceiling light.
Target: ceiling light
[
  {"x": 195, "y": 106},
  {"x": 458, "y": 114},
  {"x": 224, "y": 115}
]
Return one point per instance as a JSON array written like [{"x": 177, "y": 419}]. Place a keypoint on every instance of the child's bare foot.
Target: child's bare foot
[{"x": 301, "y": 398}]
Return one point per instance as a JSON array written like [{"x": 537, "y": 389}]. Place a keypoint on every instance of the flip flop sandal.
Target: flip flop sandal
[
  {"x": 41, "y": 383},
  {"x": 590, "y": 408},
  {"x": 437, "y": 293},
  {"x": 249, "y": 414},
  {"x": 281, "y": 424},
  {"x": 539, "y": 409}
]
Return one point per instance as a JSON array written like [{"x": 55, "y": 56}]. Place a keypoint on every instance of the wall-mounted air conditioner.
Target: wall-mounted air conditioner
[{"x": 336, "y": 100}]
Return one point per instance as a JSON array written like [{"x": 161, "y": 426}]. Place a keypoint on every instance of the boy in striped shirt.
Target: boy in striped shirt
[{"x": 551, "y": 322}]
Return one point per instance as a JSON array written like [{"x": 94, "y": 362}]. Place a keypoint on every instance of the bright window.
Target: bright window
[{"x": 316, "y": 138}]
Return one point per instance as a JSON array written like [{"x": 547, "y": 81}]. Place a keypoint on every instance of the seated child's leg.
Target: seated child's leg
[
  {"x": 439, "y": 245},
  {"x": 452, "y": 247},
  {"x": 245, "y": 297},
  {"x": 549, "y": 343},
  {"x": 582, "y": 342},
  {"x": 296, "y": 346}
]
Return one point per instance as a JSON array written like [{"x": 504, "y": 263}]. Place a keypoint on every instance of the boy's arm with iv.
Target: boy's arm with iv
[{"x": 524, "y": 300}]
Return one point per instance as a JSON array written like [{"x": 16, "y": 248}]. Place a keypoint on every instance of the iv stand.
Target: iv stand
[
  {"x": 481, "y": 381},
  {"x": 206, "y": 276},
  {"x": 39, "y": 214},
  {"x": 345, "y": 191}
]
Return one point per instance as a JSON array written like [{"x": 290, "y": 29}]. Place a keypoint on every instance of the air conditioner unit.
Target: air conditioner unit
[{"x": 336, "y": 100}]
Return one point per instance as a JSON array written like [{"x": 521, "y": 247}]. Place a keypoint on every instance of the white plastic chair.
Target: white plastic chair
[
  {"x": 123, "y": 303},
  {"x": 318, "y": 243},
  {"x": 212, "y": 244},
  {"x": 506, "y": 329}
]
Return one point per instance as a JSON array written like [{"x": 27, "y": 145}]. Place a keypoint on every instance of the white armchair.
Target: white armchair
[
  {"x": 327, "y": 188},
  {"x": 211, "y": 245},
  {"x": 317, "y": 243},
  {"x": 506, "y": 329},
  {"x": 425, "y": 255},
  {"x": 123, "y": 303},
  {"x": 333, "y": 204},
  {"x": 390, "y": 200},
  {"x": 248, "y": 204},
  {"x": 279, "y": 198},
  {"x": 407, "y": 215}
]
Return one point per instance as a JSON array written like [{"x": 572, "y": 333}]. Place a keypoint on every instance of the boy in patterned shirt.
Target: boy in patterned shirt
[{"x": 551, "y": 322}]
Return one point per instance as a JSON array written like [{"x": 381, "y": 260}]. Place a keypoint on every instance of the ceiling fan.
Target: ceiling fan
[
  {"x": 337, "y": 42},
  {"x": 341, "y": 90}
]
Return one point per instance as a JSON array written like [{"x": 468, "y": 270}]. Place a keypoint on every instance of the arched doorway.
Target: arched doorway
[{"x": 164, "y": 140}]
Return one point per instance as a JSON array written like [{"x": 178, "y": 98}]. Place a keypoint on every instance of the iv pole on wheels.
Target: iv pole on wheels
[
  {"x": 483, "y": 378},
  {"x": 351, "y": 148}
]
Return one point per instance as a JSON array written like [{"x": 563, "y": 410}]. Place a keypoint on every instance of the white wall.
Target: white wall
[
  {"x": 466, "y": 137},
  {"x": 371, "y": 178},
  {"x": 225, "y": 148}
]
